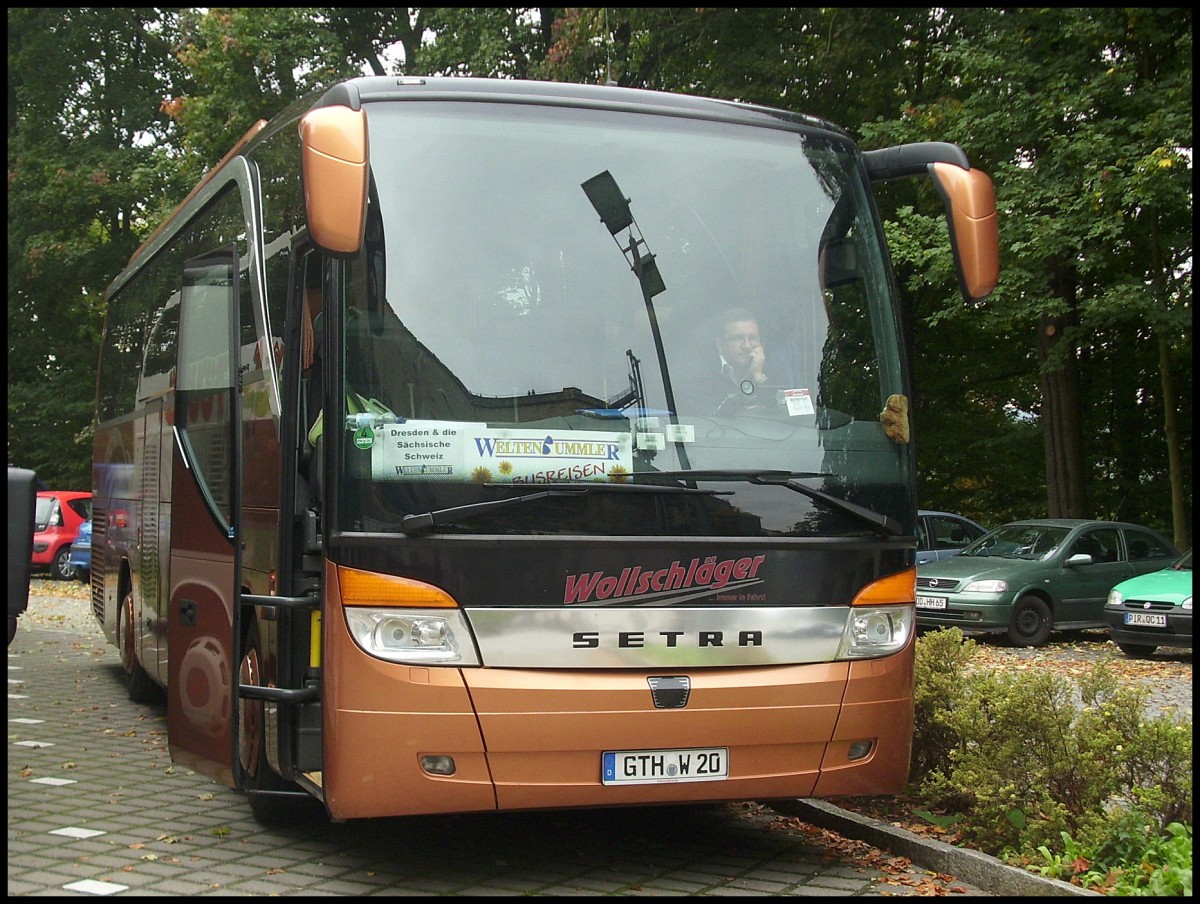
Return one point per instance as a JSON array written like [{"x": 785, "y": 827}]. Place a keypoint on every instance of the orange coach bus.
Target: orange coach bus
[{"x": 417, "y": 495}]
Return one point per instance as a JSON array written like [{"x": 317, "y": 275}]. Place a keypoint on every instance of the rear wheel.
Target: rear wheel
[
  {"x": 138, "y": 683},
  {"x": 1031, "y": 622},
  {"x": 61, "y": 568},
  {"x": 1137, "y": 650}
]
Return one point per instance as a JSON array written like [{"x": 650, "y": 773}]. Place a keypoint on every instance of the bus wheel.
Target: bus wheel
[
  {"x": 250, "y": 712},
  {"x": 269, "y": 809},
  {"x": 138, "y": 683},
  {"x": 1031, "y": 622}
]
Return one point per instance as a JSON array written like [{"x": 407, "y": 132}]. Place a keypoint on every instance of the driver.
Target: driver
[
  {"x": 739, "y": 345},
  {"x": 742, "y": 359}
]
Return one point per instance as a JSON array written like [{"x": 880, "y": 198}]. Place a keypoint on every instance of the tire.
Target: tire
[
  {"x": 138, "y": 683},
  {"x": 61, "y": 568},
  {"x": 1136, "y": 650},
  {"x": 1031, "y": 622},
  {"x": 293, "y": 805}
]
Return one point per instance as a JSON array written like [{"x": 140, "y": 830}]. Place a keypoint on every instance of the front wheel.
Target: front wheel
[
  {"x": 284, "y": 802},
  {"x": 1137, "y": 650},
  {"x": 1031, "y": 622}
]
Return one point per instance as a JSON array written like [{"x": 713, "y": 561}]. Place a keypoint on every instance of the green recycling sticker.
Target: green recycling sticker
[{"x": 364, "y": 437}]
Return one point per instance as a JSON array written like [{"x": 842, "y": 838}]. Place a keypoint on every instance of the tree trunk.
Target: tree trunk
[
  {"x": 1179, "y": 519},
  {"x": 1066, "y": 488}
]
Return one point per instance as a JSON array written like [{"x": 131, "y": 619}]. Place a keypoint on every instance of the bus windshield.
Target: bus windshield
[{"x": 679, "y": 326}]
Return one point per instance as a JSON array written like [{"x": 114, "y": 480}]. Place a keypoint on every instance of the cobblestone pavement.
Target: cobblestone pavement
[{"x": 95, "y": 807}]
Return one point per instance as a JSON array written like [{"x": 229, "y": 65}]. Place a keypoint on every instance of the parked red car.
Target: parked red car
[{"x": 56, "y": 520}]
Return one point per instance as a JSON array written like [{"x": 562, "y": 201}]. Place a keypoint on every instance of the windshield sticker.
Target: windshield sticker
[
  {"x": 798, "y": 401},
  {"x": 651, "y": 442},
  {"x": 681, "y": 433},
  {"x": 469, "y": 451}
]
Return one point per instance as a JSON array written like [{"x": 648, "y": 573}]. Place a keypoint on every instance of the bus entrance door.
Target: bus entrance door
[{"x": 205, "y": 521}]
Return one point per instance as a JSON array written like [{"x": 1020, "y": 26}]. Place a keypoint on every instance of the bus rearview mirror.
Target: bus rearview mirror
[{"x": 333, "y": 143}]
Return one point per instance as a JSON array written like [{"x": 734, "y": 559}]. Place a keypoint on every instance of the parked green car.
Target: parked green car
[
  {"x": 1152, "y": 611},
  {"x": 1029, "y": 578}
]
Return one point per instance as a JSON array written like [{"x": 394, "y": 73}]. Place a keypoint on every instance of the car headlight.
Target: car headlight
[
  {"x": 1187, "y": 604},
  {"x": 986, "y": 587},
  {"x": 413, "y": 636},
  {"x": 876, "y": 631},
  {"x": 1115, "y": 598}
]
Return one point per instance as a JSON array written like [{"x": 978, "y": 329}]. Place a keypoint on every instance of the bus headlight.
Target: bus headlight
[
  {"x": 876, "y": 631},
  {"x": 412, "y": 636}
]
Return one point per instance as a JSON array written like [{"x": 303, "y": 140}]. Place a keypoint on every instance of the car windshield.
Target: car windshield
[
  {"x": 1018, "y": 541},
  {"x": 1184, "y": 562}
]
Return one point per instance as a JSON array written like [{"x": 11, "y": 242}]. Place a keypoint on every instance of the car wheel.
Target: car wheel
[
  {"x": 1031, "y": 622},
  {"x": 138, "y": 683},
  {"x": 61, "y": 568},
  {"x": 1137, "y": 650}
]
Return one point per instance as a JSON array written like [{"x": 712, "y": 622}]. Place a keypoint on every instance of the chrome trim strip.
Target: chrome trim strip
[{"x": 671, "y": 637}]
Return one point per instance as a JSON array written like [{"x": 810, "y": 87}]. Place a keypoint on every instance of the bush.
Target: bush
[
  {"x": 941, "y": 669},
  {"x": 1030, "y": 768}
]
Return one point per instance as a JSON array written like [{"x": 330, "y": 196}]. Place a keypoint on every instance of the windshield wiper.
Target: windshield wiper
[
  {"x": 884, "y": 524},
  {"x": 412, "y": 524}
]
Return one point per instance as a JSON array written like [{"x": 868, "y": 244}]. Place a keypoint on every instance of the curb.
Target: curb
[{"x": 981, "y": 870}]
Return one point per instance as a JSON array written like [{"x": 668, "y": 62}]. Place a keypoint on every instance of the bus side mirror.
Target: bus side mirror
[
  {"x": 333, "y": 165},
  {"x": 970, "y": 201}
]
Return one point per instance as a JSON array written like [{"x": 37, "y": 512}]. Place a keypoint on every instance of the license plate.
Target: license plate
[
  {"x": 1147, "y": 619},
  {"x": 648, "y": 767},
  {"x": 932, "y": 602}
]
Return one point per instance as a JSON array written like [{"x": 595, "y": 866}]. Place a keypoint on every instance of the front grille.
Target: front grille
[
  {"x": 937, "y": 583},
  {"x": 1148, "y": 605}
]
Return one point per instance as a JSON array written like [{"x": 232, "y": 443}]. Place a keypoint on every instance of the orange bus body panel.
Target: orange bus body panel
[
  {"x": 871, "y": 709},
  {"x": 527, "y": 739},
  {"x": 545, "y": 731},
  {"x": 380, "y": 717}
]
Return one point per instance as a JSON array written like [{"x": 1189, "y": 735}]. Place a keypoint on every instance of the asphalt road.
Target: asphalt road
[{"x": 95, "y": 807}]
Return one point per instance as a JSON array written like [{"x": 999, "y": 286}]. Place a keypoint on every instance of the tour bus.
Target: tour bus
[{"x": 422, "y": 484}]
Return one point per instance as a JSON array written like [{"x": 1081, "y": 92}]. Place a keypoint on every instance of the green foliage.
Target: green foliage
[
  {"x": 940, "y": 672},
  {"x": 1129, "y": 859},
  {"x": 1083, "y": 116},
  {"x": 1084, "y": 787}
]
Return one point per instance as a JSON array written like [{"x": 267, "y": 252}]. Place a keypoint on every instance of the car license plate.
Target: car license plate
[
  {"x": 1147, "y": 619},
  {"x": 932, "y": 602},
  {"x": 646, "y": 767}
]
